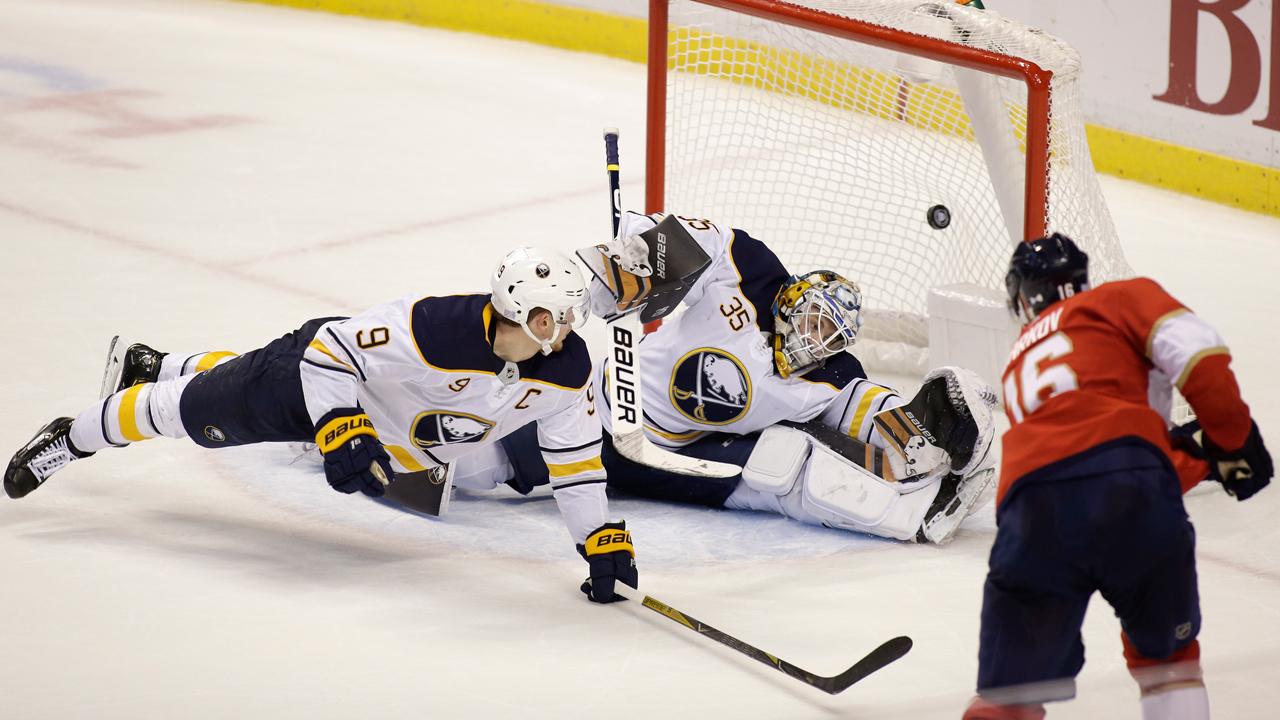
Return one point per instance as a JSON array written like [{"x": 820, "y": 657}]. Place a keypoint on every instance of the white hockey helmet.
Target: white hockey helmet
[
  {"x": 530, "y": 278},
  {"x": 815, "y": 316}
]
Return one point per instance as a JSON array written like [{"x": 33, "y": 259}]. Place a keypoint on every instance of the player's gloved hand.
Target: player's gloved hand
[
  {"x": 611, "y": 557},
  {"x": 648, "y": 267},
  {"x": 629, "y": 253},
  {"x": 1242, "y": 472},
  {"x": 353, "y": 457},
  {"x": 622, "y": 267},
  {"x": 1186, "y": 437}
]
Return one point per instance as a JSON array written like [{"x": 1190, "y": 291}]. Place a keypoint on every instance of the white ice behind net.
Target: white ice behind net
[{"x": 832, "y": 151}]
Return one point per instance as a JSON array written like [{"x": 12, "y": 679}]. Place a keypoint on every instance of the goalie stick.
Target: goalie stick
[
  {"x": 425, "y": 492},
  {"x": 886, "y": 653},
  {"x": 625, "y": 403}
]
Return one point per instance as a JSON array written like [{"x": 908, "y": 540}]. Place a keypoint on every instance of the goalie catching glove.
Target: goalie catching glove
[
  {"x": 947, "y": 427},
  {"x": 611, "y": 557},
  {"x": 353, "y": 457}
]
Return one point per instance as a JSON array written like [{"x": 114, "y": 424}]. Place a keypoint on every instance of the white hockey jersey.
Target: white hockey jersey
[
  {"x": 710, "y": 368},
  {"x": 425, "y": 372}
]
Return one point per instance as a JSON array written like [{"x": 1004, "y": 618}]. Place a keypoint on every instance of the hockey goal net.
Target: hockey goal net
[{"x": 833, "y": 129}]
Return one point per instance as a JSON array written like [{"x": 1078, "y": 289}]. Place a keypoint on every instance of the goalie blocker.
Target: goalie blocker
[{"x": 650, "y": 272}]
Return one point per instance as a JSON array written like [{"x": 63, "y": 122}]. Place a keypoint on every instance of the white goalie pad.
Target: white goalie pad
[
  {"x": 843, "y": 495},
  {"x": 777, "y": 460}
]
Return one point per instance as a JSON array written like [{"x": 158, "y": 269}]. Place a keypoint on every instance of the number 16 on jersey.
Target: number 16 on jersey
[{"x": 1037, "y": 375}]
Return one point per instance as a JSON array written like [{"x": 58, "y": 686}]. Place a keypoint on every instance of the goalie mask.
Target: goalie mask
[
  {"x": 815, "y": 316},
  {"x": 531, "y": 278}
]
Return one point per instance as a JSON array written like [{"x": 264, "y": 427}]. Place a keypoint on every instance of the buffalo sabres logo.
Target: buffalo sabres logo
[
  {"x": 432, "y": 429},
  {"x": 710, "y": 386}
]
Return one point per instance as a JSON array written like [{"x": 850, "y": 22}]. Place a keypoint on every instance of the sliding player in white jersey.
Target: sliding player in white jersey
[
  {"x": 757, "y": 352},
  {"x": 408, "y": 386}
]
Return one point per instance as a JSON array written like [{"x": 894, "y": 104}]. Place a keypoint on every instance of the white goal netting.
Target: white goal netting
[{"x": 834, "y": 151}]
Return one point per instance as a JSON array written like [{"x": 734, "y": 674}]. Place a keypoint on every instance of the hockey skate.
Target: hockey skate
[
  {"x": 128, "y": 365},
  {"x": 47, "y": 453},
  {"x": 955, "y": 501}
]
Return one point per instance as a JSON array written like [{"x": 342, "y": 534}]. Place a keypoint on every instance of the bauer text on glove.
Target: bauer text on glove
[
  {"x": 354, "y": 459},
  {"x": 611, "y": 558}
]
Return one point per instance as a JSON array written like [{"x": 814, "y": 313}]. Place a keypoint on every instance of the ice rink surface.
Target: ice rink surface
[{"x": 206, "y": 175}]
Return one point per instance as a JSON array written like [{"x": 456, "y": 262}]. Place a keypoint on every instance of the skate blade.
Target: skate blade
[
  {"x": 943, "y": 527},
  {"x": 115, "y": 367}
]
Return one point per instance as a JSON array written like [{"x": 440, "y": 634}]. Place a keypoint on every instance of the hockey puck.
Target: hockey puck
[{"x": 939, "y": 217}]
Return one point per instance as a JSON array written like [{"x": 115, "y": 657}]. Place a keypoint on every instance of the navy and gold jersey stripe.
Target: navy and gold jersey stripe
[
  {"x": 575, "y": 448},
  {"x": 838, "y": 371},
  {"x": 561, "y": 470},
  {"x": 453, "y": 333},
  {"x": 765, "y": 277},
  {"x": 345, "y": 351}
]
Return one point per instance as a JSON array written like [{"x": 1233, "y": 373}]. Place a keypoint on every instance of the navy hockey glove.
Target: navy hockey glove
[
  {"x": 353, "y": 457},
  {"x": 1242, "y": 472},
  {"x": 611, "y": 557},
  {"x": 1186, "y": 437}
]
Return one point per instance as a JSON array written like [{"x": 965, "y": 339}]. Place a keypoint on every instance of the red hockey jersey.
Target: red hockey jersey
[{"x": 1091, "y": 369}]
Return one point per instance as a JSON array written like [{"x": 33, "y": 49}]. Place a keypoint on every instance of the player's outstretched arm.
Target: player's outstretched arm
[
  {"x": 337, "y": 363},
  {"x": 1189, "y": 350},
  {"x": 570, "y": 441}
]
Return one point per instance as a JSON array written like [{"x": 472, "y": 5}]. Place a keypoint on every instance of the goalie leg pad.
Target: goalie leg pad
[
  {"x": 777, "y": 460},
  {"x": 843, "y": 495}
]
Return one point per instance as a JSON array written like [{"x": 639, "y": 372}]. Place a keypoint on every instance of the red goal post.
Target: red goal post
[{"x": 831, "y": 129}]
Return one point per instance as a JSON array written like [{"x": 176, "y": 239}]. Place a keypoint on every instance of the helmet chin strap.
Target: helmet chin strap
[
  {"x": 545, "y": 345},
  {"x": 1025, "y": 314}
]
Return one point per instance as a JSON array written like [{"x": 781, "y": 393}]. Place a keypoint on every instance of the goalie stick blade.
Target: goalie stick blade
[
  {"x": 888, "y": 652},
  {"x": 637, "y": 448}
]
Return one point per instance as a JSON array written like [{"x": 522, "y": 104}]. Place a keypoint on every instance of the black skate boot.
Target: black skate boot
[
  {"x": 47, "y": 453},
  {"x": 128, "y": 366}
]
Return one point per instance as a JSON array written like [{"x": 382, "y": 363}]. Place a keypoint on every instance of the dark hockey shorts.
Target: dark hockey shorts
[
  {"x": 256, "y": 397},
  {"x": 644, "y": 481},
  {"x": 1111, "y": 521},
  {"x": 530, "y": 470}
]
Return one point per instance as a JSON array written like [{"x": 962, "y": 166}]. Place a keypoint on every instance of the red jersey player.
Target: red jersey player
[{"x": 1089, "y": 498}]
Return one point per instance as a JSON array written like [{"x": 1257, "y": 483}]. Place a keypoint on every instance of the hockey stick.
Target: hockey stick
[
  {"x": 626, "y": 406},
  {"x": 425, "y": 492},
  {"x": 888, "y": 652}
]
